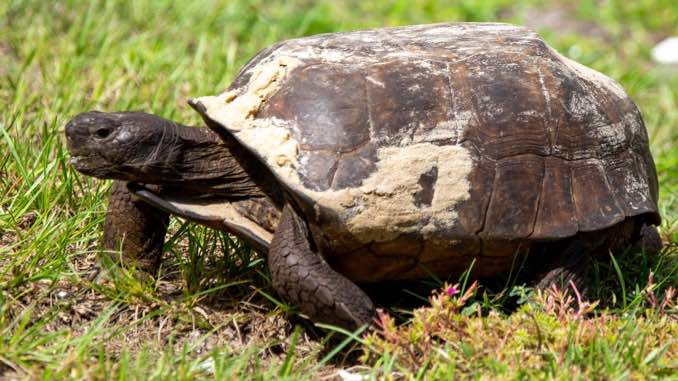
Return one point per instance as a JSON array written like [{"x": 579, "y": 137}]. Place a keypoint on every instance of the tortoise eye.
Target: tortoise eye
[{"x": 102, "y": 132}]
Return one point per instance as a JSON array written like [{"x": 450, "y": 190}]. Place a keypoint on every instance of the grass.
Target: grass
[{"x": 213, "y": 313}]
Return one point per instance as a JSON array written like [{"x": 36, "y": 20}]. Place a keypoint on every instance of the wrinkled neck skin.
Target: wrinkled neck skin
[{"x": 194, "y": 158}]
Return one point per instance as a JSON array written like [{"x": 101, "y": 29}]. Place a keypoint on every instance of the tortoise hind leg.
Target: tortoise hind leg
[
  {"x": 134, "y": 227},
  {"x": 572, "y": 264},
  {"x": 648, "y": 240},
  {"x": 303, "y": 277},
  {"x": 574, "y": 259}
]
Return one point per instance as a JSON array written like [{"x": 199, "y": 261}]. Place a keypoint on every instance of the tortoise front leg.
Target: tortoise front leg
[
  {"x": 302, "y": 276},
  {"x": 134, "y": 227}
]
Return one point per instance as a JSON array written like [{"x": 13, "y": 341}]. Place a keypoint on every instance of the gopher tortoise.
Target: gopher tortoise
[{"x": 388, "y": 154}]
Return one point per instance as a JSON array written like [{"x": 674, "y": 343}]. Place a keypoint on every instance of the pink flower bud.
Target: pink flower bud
[{"x": 452, "y": 291}]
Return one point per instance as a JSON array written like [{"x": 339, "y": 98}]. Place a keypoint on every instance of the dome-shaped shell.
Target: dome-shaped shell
[{"x": 441, "y": 132}]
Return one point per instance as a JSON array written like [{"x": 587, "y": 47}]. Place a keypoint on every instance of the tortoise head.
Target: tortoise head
[
  {"x": 132, "y": 146},
  {"x": 144, "y": 148}
]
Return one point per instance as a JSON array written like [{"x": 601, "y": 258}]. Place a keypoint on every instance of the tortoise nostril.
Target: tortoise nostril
[{"x": 102, "y": 132}]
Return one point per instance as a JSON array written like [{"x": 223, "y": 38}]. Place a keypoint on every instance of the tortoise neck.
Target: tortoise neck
[{"x": 198, "y": 160}]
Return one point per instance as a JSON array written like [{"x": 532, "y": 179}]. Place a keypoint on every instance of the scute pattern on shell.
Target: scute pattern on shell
[{"x": 544, "y": 147}]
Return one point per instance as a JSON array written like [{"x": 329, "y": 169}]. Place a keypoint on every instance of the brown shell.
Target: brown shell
[{"x": 556, "y": 148}]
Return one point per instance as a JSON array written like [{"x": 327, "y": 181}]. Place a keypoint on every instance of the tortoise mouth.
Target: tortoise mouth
[
  {"x": 96, "y": 166},
  {"x": 80, "y": 162},
  {"x": 83, "y": 164}
]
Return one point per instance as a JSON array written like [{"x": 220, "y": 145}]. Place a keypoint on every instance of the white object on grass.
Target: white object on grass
[
  {"x": 666, "y": 51},
  {"x": 348, "y": 376}
]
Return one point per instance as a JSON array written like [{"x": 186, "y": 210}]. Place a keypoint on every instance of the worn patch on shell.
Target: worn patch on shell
[
  {"x": 365, "y": 47},
  {"x": 448, "y": 130},
  {"x": 236, "y": 110},
  {"x": 384, "y": 206},
  {"x": 270, "y": 139}
]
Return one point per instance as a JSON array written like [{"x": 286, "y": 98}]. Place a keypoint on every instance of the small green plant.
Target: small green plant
[{"x": 553, "y": 333}]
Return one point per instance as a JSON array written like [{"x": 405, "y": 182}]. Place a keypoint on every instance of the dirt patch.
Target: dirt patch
[{"x": 166, "y": 320}]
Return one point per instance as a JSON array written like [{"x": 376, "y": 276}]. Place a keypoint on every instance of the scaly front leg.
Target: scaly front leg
[
  {"x": 135, "y": 228},
  {"x": 303, "y": 277}
]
